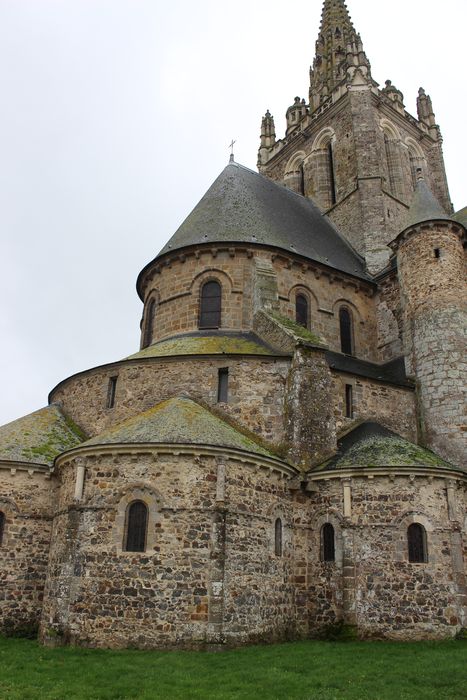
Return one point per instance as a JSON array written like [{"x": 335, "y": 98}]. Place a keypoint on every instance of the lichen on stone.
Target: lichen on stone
[
  {"x": 203, "y": 345},
  {"x": 178, "y": 421},
  {"x": 39, "y": 437},
  {"x": 299, "y": 332},
  {"x": 389, "y": 452}
]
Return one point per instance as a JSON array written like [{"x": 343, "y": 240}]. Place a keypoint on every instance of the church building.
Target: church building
[{"x": 284, "y": 456}]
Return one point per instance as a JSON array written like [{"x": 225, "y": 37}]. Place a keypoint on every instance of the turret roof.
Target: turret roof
[
  {"x": 39, "y": 437},
  {"x": 424, "y": 206},
  {"x": 461, "y": 217},
  {"x": 178, "y": 421},
  {"x": 243, "y": 206}
]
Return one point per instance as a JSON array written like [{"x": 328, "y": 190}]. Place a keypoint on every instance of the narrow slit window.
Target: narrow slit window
[
  {"x": 278, "y": 538},
  {"x": 301, "y": 310},
  {"x": 417, "y": 546},
  {"x": 328, "y": 547},
  {"x": 302, "y": 179},
  {"x": 346, "y": 331},
  {"x": 348, "y": 401},
  {"x": 223, "y": 385},
  {"x": 136, "y": 527},
  {"x": 111, "y": 392},
  {"x": 2, "y": 527},
  {"x": 210, "y": 305},
  {"x": 437, "y": 253}
]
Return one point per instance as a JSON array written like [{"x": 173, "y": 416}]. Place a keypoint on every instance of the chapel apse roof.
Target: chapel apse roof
[
  {"x": 371, "y": 445},
  {"x": 179, "y": 421},
  {"x": 39, "y": 437},
  {"x": 207, "y": 343},
  {"x": 243, "y": 206}
]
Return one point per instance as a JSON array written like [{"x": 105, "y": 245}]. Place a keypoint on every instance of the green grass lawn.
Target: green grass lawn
[{"x": 300, "y": 671}]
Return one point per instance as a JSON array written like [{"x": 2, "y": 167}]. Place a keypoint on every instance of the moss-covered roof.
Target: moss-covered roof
[
  {"x": 178, "y": 421},
  {"x": 39, "y": 437},
  {"x": 371, "y": 445},
  {"x": 207, "y": 343},
  {"x": 298, "y": 331}
]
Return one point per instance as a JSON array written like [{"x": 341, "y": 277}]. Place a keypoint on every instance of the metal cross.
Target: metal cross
[{"x": 231, "y": 146}]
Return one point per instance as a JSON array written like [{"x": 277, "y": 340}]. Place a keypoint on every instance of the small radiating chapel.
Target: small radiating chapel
[{"x": 284, "y": 456}]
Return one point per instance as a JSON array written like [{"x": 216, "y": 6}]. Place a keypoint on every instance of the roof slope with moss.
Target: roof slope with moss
[
  {"x": 39, "y": 437},
  {"x": 461, "y": 217},
  {"x": 207, "y": 343},
  {"x": 370, "y": 445},
  {"x": 178, "y": 421}
]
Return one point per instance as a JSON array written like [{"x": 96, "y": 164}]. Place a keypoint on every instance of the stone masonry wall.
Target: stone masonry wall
[
  {"x": 209, "y": 574},
  {"x": 26, "y": 502},
  {"x": 434, "y": 292},
  {"x": 392, "y": 406},
  {"x": 371, "y": 584},
  {"x": 176, "y": 287},
  {"x": 256, "y": 391}
]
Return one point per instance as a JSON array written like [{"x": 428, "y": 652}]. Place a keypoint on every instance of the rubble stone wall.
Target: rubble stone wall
[
  {"x": 209, "y": 574},
  {"x": 26, "y": 503}
]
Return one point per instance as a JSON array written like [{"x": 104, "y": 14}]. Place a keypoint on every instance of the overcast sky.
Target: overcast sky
[{"x": 115, "y": 118}]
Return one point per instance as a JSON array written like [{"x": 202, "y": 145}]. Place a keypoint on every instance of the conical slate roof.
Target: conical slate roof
[
  {"x": 39, "y": 437},
  {"x": 371, "y": 445},
  {"x": 245, "y": 207},
  {"x": 424, "y": 206},
  {"x": 178, "y": 421},
  {"x": 461, "y": 217}
]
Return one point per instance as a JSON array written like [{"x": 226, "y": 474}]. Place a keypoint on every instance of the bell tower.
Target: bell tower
[{"x": 353, "y": 147}]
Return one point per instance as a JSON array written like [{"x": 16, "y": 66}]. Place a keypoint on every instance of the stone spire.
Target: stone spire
[
  {"x": 338, "y": 49},
  {"x": 268, "y": 137}
]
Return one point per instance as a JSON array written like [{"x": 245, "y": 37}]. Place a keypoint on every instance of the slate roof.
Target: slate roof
[
  {"x": 424, "y": 206},
  {"x": 207, "y": 343},
  {"x": 39, "y": 437},
  {"x": 178, "y": 421},
  {"x": 461, "y": 217},
  {"x": 243, "y": 206},
  {"x": 372, "y": 445},
  {"x": 392, "y": 372}
]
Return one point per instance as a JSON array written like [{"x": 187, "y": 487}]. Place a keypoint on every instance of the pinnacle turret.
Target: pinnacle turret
[{"x": 339, "y": 49}]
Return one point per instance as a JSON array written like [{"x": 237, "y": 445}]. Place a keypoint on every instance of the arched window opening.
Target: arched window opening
[
  {"x": 328, "y": 547},
  {"x": 331, "y": 173},
  {"x": 210, "y": 306},
  {"x": 278, "y": 538},
  {"x": 2, "y": 526},
  {"x": 301, "y": 180},
  {"x": 346, "y": 331},
  {"x": 416, "y": 540},
  {"x": 149, "y": 325},
  {"x": 301, "y": 310},
  {"x": 136, "y": 527},
  {"x": 391, "y": 159}
]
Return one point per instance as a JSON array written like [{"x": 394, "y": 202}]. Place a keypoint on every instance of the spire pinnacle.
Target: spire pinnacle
[{"x": 338, "y": 49}]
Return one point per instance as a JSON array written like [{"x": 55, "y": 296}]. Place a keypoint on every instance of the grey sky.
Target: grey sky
[{"x": 116, "y": 116}]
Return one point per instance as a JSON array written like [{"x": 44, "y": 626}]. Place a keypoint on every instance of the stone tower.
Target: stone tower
[
  {"x": 431, "y": 266},
  {"x": 354, "y": 149}
]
